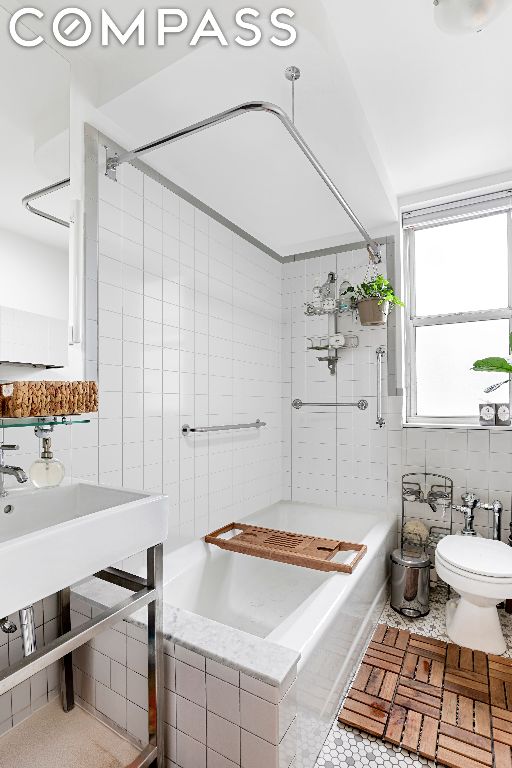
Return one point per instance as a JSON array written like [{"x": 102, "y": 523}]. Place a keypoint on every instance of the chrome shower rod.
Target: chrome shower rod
[
  {"x": 115, "y": 161},
  {"x": 42, "y": 193}
]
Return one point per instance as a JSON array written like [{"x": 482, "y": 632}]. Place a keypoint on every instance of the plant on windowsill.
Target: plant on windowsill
[
  {"x": 495, "y": 365},
  {"x": 373, "y": 300}
]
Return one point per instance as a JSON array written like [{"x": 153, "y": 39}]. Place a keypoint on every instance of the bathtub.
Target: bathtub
[{"x": 326, "y": 618}]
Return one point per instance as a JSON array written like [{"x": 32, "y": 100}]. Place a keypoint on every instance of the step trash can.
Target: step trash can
[{"x": 410, "y": 581}]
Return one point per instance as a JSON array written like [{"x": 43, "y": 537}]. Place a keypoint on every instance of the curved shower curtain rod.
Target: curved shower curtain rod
[
  {"x": 26, "y": 202},
  {"x": 113, "y": 162}
]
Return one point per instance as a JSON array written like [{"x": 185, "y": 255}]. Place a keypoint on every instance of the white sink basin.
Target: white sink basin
[{"x": 51, "y": 538}]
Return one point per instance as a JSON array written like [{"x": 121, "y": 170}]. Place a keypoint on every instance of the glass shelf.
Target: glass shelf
[{"x": 40, "y": 421}]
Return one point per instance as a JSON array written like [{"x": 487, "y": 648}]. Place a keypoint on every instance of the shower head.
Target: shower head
[{"x": 494, "y": 387}]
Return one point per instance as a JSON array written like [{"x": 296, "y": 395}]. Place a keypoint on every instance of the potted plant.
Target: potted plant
[
  {"x": 495, "y": 364},
  {"x": 373, "y": 299}
]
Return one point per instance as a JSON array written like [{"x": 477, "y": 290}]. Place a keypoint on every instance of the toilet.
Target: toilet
[{"x": 480, "y": 571}]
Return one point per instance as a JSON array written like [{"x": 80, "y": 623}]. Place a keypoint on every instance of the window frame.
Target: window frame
[{"x": 439, "y": 216}]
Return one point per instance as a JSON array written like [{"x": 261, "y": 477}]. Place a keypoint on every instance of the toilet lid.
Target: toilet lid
[{"x": 474, "y": 554}]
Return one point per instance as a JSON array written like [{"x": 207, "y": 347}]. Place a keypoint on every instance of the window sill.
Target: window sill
[{"x": 445, "y": 425}]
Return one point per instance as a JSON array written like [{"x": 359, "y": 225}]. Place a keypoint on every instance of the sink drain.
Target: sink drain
[{"x": 8, "y": 509}]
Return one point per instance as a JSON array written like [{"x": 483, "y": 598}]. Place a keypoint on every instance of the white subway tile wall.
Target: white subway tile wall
[
  {"x": 340, "y": 457},
  {"x": 214, "y": 715},
  {"x": 25, "y": 699},
  {"x": 189, "y": 330},
  {"x": 476, "y": 460},
  {"x": 337, "y": 456}
]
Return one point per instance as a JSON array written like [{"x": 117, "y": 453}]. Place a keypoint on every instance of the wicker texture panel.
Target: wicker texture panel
[{"x": 23, "y": 399}]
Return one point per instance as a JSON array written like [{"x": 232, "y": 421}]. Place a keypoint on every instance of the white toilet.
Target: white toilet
[{"x": 480, "y": 571}]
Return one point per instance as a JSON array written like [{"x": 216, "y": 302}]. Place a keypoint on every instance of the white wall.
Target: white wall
[
  {"x": 189, "y": 332},
  {"x": 478, "y": 460},
  {"x": 34, "y": 276},
  {"x": 339, "y": 457},
  {"x": 336, "y": 456}
]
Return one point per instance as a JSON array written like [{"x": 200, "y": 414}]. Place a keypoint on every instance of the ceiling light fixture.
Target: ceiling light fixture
[{"x": 461, "y": 17}]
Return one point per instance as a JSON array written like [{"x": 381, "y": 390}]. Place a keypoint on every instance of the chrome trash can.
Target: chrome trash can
[{"x": 410, "y": 581}]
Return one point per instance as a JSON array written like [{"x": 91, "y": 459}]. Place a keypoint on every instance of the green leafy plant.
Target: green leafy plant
[
  {"x": 495, "y": 364},
  {"x": 378, "y": 288}
]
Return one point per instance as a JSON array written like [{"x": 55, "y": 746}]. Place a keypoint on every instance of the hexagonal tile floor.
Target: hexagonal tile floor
[{"x": 349, "y": 748}]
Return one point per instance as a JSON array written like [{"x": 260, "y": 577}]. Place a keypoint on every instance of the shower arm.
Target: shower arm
[
  {"x": 27, "y": 200},
  {"x": 113, "y": 162}
]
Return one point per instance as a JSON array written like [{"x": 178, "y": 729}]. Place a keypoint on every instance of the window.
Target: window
[{"x": 458, "y": 306}]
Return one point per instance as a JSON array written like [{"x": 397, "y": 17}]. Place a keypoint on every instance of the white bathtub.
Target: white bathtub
[{"x": 323, "y": 616}]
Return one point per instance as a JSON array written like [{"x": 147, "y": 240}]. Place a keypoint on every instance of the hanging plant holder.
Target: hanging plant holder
[
  {"x": 373, "y": 312},
  {"x": 373, "y": 298}
]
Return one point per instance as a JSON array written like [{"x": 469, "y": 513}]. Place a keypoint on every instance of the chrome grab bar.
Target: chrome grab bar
[
  {"x": 188, "y": 430},
  {"x": 381, "y": 353},
  {"x": 361, "y": 404}
]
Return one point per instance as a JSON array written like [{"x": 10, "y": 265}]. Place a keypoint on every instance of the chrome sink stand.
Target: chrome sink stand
[{"x": 146, "y": 592}]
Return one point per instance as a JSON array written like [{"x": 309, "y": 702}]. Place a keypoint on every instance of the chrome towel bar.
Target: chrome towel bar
[
  {"x": 188, "y": 430},
  {"x": 361, "y": 404}
]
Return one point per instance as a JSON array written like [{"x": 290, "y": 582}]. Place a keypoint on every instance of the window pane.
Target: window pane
[
  {"x": 444, "y": 355},
  {"x": 462, "y": 266}
]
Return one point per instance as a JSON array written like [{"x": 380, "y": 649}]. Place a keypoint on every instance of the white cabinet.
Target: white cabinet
[{"x": 32, "y": 339}]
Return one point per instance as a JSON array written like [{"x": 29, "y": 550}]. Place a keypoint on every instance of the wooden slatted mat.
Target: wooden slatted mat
[
  {"x": 285, "y": 547},
  {"x": 500, "y": 679},
  {"x": 438, "y": 700}
]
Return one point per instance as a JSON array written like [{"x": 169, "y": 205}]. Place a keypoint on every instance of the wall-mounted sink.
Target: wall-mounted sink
[{"x": 53, "y": 537}]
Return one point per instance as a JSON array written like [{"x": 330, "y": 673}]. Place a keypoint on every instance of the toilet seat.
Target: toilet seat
[
  {"x": 480, "y": 571},
  {"x": 479, "y": 558}
]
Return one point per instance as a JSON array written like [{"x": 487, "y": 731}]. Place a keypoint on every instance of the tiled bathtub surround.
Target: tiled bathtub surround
[
  {"x": 334, "y": 456},
  {"x": 188, "y": 326},
  {"x": 216, "y": 716},
  {"x": 340, "y": 457}
]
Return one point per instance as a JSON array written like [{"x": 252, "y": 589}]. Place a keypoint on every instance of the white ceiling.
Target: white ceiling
[
  {"x": 439, "y": 105},
  {"x": 34, "y": 136},
  {"x": 390, "y": 104},
  {"x": 249, "y": 169}
]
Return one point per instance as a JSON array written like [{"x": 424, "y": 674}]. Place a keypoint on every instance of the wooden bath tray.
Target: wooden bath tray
[{"x": 286, "y": 547}]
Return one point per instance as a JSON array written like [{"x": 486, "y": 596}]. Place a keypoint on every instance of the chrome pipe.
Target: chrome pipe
[
  {"x": 42, "y": 193},
  {"x": 57, "y": 649},
  {"x": 381, "y": 421},
  {"x": 28, "y": 630},
  {"x": 67, "y": 681},
  {"x": 361, "y": 404},
  {"x": 188, "y": 430},
  {"x": 242, "y": 109}
]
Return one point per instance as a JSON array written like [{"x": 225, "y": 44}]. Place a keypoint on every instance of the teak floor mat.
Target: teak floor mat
[{"x": 438, "y": 700}]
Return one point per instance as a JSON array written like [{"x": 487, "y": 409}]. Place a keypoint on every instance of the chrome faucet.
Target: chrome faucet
[
  {"x": 469, "y": 503},
  {"x": 16, "y": 472}
]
